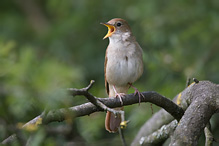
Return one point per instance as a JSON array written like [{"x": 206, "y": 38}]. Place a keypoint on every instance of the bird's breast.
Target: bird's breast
[{"x": 124, "y": 65}]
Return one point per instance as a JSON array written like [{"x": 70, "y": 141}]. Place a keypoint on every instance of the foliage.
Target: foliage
[{"x": 48, "y": 46}]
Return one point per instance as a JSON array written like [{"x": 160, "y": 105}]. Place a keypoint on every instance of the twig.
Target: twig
[
  {"x": 99, "y": 104},
  {"x": 10, "y": 139},
  {"x": 121, "y": 133},
  {"x": 188, "y": 82},
  {"x": 208, "y": 135},
  {"x": 152, "y": 111},
  {"x": 95, "y": 101},
  {"x": 75, "y": 91}
]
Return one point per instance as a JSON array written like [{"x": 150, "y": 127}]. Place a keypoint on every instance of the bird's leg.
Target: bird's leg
[
  {"x": 119, "y": 95},
  {"x": 137, "y": 92}
]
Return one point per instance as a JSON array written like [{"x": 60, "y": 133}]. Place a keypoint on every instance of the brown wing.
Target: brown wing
[{"x": 106, "y": 83}]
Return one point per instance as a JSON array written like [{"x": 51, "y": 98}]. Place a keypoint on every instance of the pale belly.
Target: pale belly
[{"x": 123, "y": 70}]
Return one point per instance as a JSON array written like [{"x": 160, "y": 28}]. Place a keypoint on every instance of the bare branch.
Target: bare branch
[
  {"x": 158, "y": 119},
  {"x": 203, "y": 103},
  {"x": 122, "y": 137},
  {"x": 188, "y": 82},
  {"x": 95, "y": 101},
  {"x": 208, "y": 135},
  {"x": 185, "y": 99},
  {"x": 101, "y": 104},
  {"x": 75, "y": 91},
  {"x": 9, "y": 139},
  {"x": 160, "y": 135}
]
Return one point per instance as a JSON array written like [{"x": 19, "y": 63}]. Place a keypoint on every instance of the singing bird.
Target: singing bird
[{"x": 123, "y": 65}]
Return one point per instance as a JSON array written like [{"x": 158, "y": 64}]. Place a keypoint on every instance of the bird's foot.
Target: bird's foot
[
  {"x": 137, "y": 92},
  {"x": 139, "y": 95},
  {"x": 119, "y": 95}
]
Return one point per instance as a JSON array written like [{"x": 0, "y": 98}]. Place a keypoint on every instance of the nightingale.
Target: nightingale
[{"x": 123, "y": 65}]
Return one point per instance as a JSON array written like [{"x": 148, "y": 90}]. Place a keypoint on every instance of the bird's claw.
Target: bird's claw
[
  {"x": 137, "y": 92},
  {"x": 119, "y": 95},
  {"x": 139, "y": 95}
]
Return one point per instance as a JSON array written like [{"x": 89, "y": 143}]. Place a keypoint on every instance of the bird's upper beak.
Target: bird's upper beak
[{"x": 111, "y": 29}]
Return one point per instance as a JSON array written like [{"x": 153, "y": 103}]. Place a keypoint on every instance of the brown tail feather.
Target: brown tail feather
[{"x": 112, "y": 122}]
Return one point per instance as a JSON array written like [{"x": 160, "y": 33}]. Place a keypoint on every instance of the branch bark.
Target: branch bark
[
  {"x": 204, "y": 102},
  {"x": 200, "y": 101},
  {"x": 159, "y": 136},
  {"x": 89, "y": 108}
]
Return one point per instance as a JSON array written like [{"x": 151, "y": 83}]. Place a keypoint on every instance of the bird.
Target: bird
[{"x": 123, "y": 66}]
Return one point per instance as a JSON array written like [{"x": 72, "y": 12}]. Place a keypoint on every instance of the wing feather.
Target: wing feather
[{"x": 105, "y": 66}]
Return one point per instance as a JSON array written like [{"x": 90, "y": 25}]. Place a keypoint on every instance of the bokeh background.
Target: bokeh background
[{"x": 48, "y": 46}]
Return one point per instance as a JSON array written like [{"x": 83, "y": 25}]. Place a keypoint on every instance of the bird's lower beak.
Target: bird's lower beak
[{"x": 111, "y": 29}]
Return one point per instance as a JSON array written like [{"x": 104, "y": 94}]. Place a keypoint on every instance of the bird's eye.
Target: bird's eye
[{"x": 119, "y": 24}]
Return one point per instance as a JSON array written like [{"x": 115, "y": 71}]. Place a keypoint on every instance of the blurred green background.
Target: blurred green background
[{"x": 48, "y": 46}]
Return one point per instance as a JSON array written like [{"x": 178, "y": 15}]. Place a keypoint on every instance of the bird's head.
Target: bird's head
[{"x": 117, "y": 26}]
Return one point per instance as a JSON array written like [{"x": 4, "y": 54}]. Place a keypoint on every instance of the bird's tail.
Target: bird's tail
[{"x": 112, "y": 121}]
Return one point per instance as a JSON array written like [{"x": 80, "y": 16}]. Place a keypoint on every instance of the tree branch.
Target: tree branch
[
  {"x": 89, "y": 108},
  {"x": 158, "y": 119},
  {"x": 94, "y": 100},
  {"x": 208, "y": 135},
  {"x": 160, "y": 135},
  {"x": 185, "y": 99},
  {"x": 204, "y": 103}
]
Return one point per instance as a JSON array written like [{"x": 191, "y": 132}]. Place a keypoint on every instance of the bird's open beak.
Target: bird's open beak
[{"x": 111, "y": 29}]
